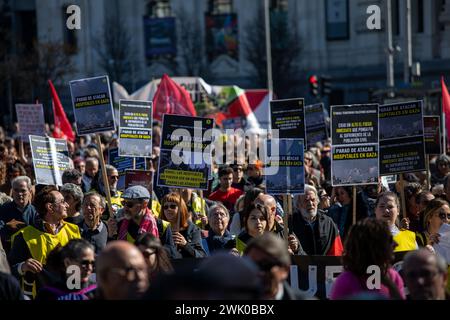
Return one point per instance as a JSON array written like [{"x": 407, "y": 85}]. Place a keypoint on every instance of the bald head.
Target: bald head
[
  {"x": 121, "y": 271},
  {"x": 91, "y": 166},
  {"x": 425, "y": 275},
  {"x": 271, "y": 203}
]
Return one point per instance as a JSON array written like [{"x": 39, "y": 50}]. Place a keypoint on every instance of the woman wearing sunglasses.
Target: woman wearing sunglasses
[
  {"x": 155, "y": 255},
  {"x": 62, "y": 267},
  {"x": 186, "y": 235},
  {"x": 436, "y": 213}
]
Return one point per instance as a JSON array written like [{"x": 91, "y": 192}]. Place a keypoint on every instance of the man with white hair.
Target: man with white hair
[
  {"x": 19, "y": 213},
  {"x": 317, "y": 233}
]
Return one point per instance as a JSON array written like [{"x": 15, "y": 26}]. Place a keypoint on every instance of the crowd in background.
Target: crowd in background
[{"x": 69, "y": 243}]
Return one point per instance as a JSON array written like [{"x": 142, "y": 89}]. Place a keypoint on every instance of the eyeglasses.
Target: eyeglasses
[
  {"x": 114, "y": 177},
  {"x": 86, "y": 263},
  {"x": 60, "y": 202},
  {"x": 308, "y": 158},
  {"x": 171, "y": 206},
  {"x": 129, "y": 204},
  {"x": 267, "y": 265},
  {"x": 237, "y": 169},
  {"x": 20, "y": 191},
  {"x": 424, "y": 274},
  {"x": 219, "y": 215},
  {"x": 129, "y": 273}
]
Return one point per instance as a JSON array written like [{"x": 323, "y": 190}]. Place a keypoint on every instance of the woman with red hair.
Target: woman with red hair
[{"x": 186, "y": 235}]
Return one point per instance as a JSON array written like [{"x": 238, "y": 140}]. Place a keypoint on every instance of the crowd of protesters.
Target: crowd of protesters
[{"x": 69, "y": 243}]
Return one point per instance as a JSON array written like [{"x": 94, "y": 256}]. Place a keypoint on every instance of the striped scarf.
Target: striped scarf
[{"x": 148, "y": 224}]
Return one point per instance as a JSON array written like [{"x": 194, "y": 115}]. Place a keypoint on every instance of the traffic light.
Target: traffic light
[
  {"x": 325, "y": 85},
  {"x": 314, "y": 85}
]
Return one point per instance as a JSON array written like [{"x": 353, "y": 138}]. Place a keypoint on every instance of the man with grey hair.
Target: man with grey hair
[
  {"x": 317, "y": 233},
  {"x": 19, "y": 213},
  {"x": 425, "y": 275},
  {"x": 93, "y": 229},
  {"x": 73, "y": 195}
]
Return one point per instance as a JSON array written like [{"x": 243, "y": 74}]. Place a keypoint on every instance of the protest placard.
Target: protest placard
[
  {"x": 316, "y": 127},
  {"x": 354, "y": 134},
  {"x": 50, "y": 159},
  {"x": 183, "y": 161},
  {"x": 135, "y": 128},
  {"x": 288, "y": 116},
  {"x": 291, "y": 175},
  {"x": 315, "y": 275},
  {"x": 92, "y": 105},
  {"x": 402, "y": 145},
  {"x": 139, "y": 178},
  {"x": 122, "y": 164},
  {"x": 432, "y": 134},
  {"x": 31, "y": 120}
]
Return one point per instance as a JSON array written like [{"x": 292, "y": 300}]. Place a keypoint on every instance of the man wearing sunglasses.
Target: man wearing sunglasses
[
  {"x": 139, "y": 219},
  {"x": 270, "y": 254}
]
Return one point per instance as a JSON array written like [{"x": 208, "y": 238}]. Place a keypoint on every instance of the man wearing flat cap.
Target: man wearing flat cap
[{"x": 139, "y": 219}]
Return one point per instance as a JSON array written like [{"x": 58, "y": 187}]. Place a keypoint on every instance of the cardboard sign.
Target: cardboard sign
[
  {"x": 135, "y": 128},
  {"x": 290, "y": 177},
  {"x": 92, "y": 105},
  {"x": 432, "y": 134},
  {"x": 182, "y": 163},
  {"x": 122, "y": 164},
  {"x": 402, "y": 144},
  {"x": 288, "y": 116},
  {"x": 354, "y": 134},
  {"x": 316, "y": 127},
  {"x": 50, "y": 159},
  {"x": 31, "y": 120}
]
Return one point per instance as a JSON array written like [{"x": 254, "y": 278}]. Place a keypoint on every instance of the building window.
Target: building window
[
  {"x": 220, "y": 7},
  {"x": 70, "y": 36},
  {"x": 417, "y": 16},
  {"x": 337, "y": 19},
  {"x": 395, "y": 11},
  {"x": 278, "y": 5},
  {"x": 159, "y": 31},
  {"x": 159, "y": 9}
]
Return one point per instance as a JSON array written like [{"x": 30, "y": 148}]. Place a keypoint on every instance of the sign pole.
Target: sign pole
[
  {"x": 104, "y": 174},
  {"x": 402, "y": 195},
  {"x": 427, "y": 166},
  {"x": 285, "y": 217}
]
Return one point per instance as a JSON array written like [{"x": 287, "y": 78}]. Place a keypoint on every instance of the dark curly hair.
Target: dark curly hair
[{"x": 369, "y": 242}]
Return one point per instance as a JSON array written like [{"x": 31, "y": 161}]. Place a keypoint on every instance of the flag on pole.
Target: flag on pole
[
  {"x": 171, "y": 98},
  {"x": 63, "y": 129},
  {"x": 446, "y": 106}
]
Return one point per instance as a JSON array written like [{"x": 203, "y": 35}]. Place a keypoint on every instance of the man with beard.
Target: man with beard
[
  {"x": 425, "y": 275},
  {"x": 271, "y": 255},
  {"x": 317, "y": 233},
  {"x": 32, "y": 244},
  {"x": 116, "y": 195},
  {"x": 93, "y": 229},
  {"x": 17, "y": 214}
]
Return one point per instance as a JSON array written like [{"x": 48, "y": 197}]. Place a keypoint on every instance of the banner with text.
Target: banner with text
[
  {"x": 316, "y": 127},
  {"x": 92, "y": 105},
  {"x": 291, "y": 175},
  {"x": 184, "y": 152},
  {"x": 135, "y": 128},
  {"x": 288, "y": 116},
  {"x": 31, "y": 120},
  {"x": 354, "y": 135},
  {"x": 50, "y": 159},
  {"x": 139, "y": 178},
  {"x": 402, "y": 144}
]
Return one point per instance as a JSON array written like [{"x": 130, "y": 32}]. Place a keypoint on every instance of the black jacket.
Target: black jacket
[
  {"x": 193, "y": 248},
  {"x": 318, "y": 238}
]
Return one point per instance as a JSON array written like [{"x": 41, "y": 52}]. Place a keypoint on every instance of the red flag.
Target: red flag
[
  {"x": 171, "y": 98},
  {"x": 446, "y": 106},
  {"x": 63, "y": 129}
]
